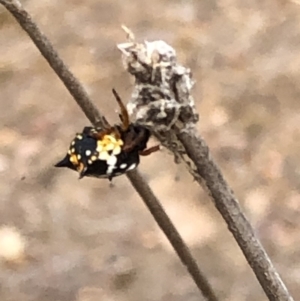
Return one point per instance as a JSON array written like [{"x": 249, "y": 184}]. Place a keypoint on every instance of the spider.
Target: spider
[{"x": 108, "y": 152}]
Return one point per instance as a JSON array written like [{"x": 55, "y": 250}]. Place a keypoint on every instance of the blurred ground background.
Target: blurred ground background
[{"x": 63, "y": 239}]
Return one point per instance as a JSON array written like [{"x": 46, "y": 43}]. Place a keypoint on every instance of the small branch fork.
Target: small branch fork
[{"x": 92, "y": 113}]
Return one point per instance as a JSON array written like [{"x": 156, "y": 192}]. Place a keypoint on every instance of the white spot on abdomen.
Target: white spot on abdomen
[
  {"x": 110, "y": 169},
  {"x": 112, "y": 160},
  {"x": 132, "y": 166},
  {"x": 123, "y": 166}
]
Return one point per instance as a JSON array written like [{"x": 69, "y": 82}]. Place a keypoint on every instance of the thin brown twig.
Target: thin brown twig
[
  {"x": 171, "y": 233},
  {"x": 171, "y": 117},
  {"x": 228, "y": 206},
  {"x": 92, "y": 113},
  {"x": 56, "y": 63}
]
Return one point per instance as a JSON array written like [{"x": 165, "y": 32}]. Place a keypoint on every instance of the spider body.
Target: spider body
[{"x": 110, "y": 152}]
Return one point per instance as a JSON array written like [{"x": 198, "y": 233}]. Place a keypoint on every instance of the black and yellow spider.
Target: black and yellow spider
[{"x": 108, "y": 152}]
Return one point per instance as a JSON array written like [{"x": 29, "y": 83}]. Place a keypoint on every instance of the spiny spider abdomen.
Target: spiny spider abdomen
[{"x": 110, "y": 152}]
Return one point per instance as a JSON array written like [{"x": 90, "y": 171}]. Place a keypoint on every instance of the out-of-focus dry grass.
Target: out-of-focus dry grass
[{"x": 83, "y": 240}]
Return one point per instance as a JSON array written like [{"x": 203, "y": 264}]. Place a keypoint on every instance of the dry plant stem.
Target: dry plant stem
[
  {"x": 162, "y": 101},
  {"x": 238, "y": 224},
  {"x": 171, "y": 233},
  {"x": 52, "y": 57},
  {"x": 92, "y": 113}
]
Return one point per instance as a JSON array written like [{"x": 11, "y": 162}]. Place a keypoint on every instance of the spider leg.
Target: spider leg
[
  {"x": 131, "y": 142},
  {"x": 150, "y": 150},
  {"x": 116, "y": 132},
  {"x": 99, "y": 134},
  {"x": 106, "y": 123},
  {"x": 124, "y": 114}
]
